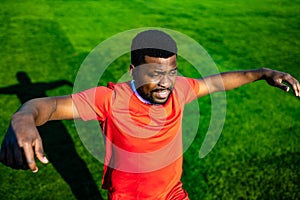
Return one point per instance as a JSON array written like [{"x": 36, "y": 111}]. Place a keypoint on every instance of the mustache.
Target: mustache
[{"x": 159, "y": 89}]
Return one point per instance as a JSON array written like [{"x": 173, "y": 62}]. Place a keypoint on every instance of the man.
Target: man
[{"x": 140, "y": 119}]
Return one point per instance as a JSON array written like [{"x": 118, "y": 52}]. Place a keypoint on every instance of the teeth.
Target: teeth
[{"x": 162, "y": 93}]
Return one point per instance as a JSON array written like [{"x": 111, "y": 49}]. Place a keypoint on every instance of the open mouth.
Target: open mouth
[{"x": 161, "y": 93}]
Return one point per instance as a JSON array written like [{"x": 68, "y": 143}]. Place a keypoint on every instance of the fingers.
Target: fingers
[
  {"x": 278, "y": 83},
  {"x": 282, "y": 86},
  {"x": 21, "y": 144},
  {"x": 276, "y": 79},
  {"x": 39, "y": 151},
  {"x": 16, "y": 157},
  {"x": 12, "y": 155},
  {"x": 29, "y": 155},
  {"x": 296, "y": 88},
  {"x": 19, "y": 160},
  {"x": 294, "y": 83}
]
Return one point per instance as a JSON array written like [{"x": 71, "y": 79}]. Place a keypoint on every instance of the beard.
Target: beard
[{"x": 154, "y": 101}]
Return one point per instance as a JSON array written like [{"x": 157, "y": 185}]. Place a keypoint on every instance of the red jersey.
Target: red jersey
[{"x": 143, "y": 142}]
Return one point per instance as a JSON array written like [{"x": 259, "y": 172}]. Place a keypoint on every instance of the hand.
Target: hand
[
  {"x": 275, "y": 78},
  {"x": 21, "y": 141},
  {"x": 11, "y": 154}
]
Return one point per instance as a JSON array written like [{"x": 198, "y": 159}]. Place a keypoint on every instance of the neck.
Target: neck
[{"x": 138, "y": 95}]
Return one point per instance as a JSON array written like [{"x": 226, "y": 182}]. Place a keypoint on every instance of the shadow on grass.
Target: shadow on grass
[{"x": 58, "y": 144}]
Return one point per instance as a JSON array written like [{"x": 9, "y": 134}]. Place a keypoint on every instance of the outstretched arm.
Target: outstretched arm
[
  {"x": 230, "y": 80},
  {"x": 22, "y": 140}
]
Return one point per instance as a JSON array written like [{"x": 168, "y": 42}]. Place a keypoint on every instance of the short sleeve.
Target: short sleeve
[
  {"x": 187, "y": 88},
  {"x": 94, "y": 103}
]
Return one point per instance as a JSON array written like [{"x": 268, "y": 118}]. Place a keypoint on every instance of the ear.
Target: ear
[{"x": 131, "y": 68}]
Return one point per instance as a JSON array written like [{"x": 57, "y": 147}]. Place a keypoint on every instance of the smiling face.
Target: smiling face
[{"x": 155, "y": 79}]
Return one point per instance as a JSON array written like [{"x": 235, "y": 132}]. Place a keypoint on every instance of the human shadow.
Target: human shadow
[{"x": 58, "y": 145}]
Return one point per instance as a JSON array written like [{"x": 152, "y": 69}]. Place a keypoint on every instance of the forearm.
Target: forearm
[
  {"x": 38, "y": 111},
  {"x": 42, "y": 110},
  {"x": 234, "y": 79}
]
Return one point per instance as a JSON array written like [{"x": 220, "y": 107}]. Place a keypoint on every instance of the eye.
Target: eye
[
  {"x": 153, "y": 75},
  {"x": 173, "y": 72}
]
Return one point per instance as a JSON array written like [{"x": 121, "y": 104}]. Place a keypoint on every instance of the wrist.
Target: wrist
[
  {"x": 20, "y": 119},
  {"x": 27, "y": 113},
  {"x": 263, "y": 73}
]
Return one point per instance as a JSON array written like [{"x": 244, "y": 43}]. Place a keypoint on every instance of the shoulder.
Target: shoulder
[
  {"x": 186, "y": 88},
  {"x": 186, "y": 83},
  {"x": 96, "y": 91}
]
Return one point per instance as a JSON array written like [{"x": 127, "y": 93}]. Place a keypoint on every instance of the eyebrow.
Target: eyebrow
[{"x": 159, "y": 70}]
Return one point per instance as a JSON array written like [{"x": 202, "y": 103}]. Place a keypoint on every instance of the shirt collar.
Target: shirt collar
[{"x": 137, "y": 94}]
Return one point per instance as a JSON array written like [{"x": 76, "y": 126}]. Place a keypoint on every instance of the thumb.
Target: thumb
[{"x": 39, "y": 151}]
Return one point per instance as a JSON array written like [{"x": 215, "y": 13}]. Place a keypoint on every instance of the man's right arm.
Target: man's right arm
[{"x": 22, "y": 141}]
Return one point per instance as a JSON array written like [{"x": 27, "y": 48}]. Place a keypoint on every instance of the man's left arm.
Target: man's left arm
[{"x": 234, "y": 79}]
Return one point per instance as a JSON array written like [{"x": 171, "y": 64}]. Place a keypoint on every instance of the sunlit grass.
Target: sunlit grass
[{"x": 257, "y": 155}]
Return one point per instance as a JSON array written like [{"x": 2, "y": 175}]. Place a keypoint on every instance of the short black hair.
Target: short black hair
[{"x": 154, "y": 43}]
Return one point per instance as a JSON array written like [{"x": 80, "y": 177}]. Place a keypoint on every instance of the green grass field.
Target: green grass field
[{"x": 258, "y": 153}]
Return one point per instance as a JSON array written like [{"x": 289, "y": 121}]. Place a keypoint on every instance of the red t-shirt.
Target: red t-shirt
[{"x": 143, "y": 142}]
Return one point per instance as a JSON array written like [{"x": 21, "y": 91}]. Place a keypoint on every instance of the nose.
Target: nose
[{"x": 165, "y": 81}]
